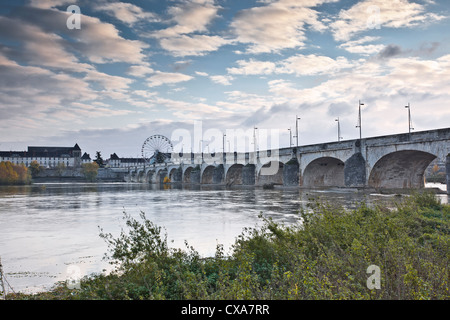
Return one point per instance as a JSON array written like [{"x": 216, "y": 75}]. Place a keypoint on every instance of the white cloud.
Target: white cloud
[
  {"x": 371, "y": 14},
  {"x": 160, "y": 78},
  {"x": 126, "y": 12},
  {"x": 300, "y": 65},
  {"x": 195, "y": 45},
  {"x": 277, "y": 25},
  {"x": 101, "y": 43},
  {"x": 188, "y": 17},
  {"x": 188, "y": 20},
  {"x": 253, "y": 67},
  {"x": 306, "y": 65},
  {"x": 220, "y": 79},
  {"x": 139, "y": 70},
  {"x": 360, "y": 46}
]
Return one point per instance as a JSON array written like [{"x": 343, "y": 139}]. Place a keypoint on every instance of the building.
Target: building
[
  {"x": 86, "y": 158},
  {"x": 47, "y": 157},
  {"x": 115, "y": 162}
]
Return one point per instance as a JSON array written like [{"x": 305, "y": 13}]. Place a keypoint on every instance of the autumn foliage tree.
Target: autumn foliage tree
[
  {"x": 13, "y": 174},
  {"x": 90, "y": 170}
]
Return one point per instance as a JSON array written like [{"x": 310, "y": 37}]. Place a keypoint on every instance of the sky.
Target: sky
[{"x": 109, "y": 74}]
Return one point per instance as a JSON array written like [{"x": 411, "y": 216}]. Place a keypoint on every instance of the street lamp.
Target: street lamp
[
  {"x": 290, "y": 137},
  {"x": 296, "y": 128},
  {"x": 409, "y": 118},
  {"x": 254, "y": 138},
  {"x": 223, "y": 142},
  {"x": 339, "y": 129},
  {"x": 359, "y": 119}
]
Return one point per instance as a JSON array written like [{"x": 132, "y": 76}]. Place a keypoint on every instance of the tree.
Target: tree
[
  {"x": 90, "y": 170},
  {"x": 60, "y": 168},
  {"x": 99, "y": 159},
  {"x": 11, "y": 174},
  {"x": 35, "y": 168}
]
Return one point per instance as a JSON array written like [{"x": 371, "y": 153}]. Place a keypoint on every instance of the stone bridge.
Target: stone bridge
[{"x": 385, "y": 162}]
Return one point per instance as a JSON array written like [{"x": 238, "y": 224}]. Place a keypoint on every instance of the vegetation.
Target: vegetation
[
  {"x": 90, "y": 170},
  {"x": 99, "y": 160},
  {"x": 326, "y": 256},
  {"x": 60, "y": 168},
  {"x": 12, "y": 174},
  {"x": 35, "y": 168}
]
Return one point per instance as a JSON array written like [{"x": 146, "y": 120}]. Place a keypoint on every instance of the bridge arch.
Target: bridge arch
[
  {"x": 140, "y": 176},
  {"x": 191, "y": 174},
  {"x": 187, "y": 174},
  {"x": 176, "y": 174},
  {"x": 271, "y": 173},
  {"x": 207, "y": 175},
  {"x": 234, "y": 174},
  {"x": 400, "y": 169},
  {"x": 149, "y": 176},
  {"x": 324, "y": 172},
  {"x": 160, "y": 175}
]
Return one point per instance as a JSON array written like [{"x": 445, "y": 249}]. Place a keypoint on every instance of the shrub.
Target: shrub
[{"x": 324, "y": 257}]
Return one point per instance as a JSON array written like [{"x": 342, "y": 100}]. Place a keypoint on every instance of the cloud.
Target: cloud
[
  {"x": 276, "y": 26},
  {"x": 390, "y": 51},
  {"x": 188, "y": 20},
  {"x": 300, "y": 65},
  {"x": 360, "y": 46},
  {"x": 375, "y": 14},
  {"x": 140, "y": 70},
  {"x": 188, "y": 17},
  {"x": 220, "y": 79},
  {"x": 160, "y": 78},
  {"x": 307, "y": 65},
  {"x": 253, "y": 67},
  {"x": 97, "y": 41},
  {"x": 385, "y": 87},
  {"x": 126, "y": 12},
  {"x": 195, "y": 45}
]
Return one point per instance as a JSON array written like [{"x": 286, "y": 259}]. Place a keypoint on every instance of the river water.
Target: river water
[{"x": 47, "y": 229}]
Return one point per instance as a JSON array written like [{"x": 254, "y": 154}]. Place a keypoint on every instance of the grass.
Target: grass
[{"x": 326, "y": 256}]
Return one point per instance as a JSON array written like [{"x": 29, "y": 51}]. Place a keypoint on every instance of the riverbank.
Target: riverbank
[{"x": 326, "y": 256}]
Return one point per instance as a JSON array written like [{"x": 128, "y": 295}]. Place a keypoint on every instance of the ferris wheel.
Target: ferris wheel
[{"x": 156, "y": 149}]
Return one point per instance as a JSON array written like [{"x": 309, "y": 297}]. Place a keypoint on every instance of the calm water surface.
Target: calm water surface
[{"x": 47, "y": 228}]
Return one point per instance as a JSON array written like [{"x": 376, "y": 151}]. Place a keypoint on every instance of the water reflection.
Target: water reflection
[{"x": 45, "y": 228}]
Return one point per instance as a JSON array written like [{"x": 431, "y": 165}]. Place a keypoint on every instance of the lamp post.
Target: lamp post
[
  {"x": 409, "y": 118},
  {"x": 290, "y": 137},
  {"x": 223, "y": 142},
  {"x": 339, "y": 129},
  {"x": 254, "y": 139},
  {"x": 359, "y": 118},
  {"x": 296, "y": 128}
]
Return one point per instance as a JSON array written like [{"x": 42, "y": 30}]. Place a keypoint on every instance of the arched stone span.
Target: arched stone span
[
  {"x": 271, "y": 173},
  {"x": 324, "y": 172},
  {"x": 234, "y": 174},
  {"x": 141, "y": 176},
  {"x": 150, "y": 175},
  {"x": 160, "y": 175},
  {"x": 187, "y": 175},
  {"x": 400, "y": 169},
  {"x": 176, "y": 174},
  {"x": 208, "y": 175}
]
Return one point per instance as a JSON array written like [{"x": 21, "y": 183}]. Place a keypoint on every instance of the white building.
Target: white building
[
  {"x": 115, "y": 162},
  {"x": 47, "y": 157}
]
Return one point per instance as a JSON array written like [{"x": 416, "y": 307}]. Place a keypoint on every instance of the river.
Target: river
[{"x": 46, "y": 229}]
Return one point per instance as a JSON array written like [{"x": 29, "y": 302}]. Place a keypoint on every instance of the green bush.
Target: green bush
[{"x": 324, "y": 256}]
